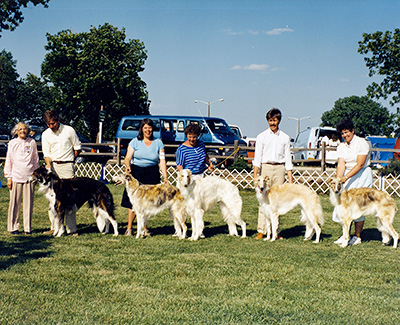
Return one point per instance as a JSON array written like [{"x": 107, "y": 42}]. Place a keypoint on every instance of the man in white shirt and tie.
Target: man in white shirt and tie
[{"x": 272, "y": 157}]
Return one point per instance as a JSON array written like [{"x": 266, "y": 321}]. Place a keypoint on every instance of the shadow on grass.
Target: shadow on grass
[
  {"x": 20, "y": 249},
  {"x": 371, "y": 234}
]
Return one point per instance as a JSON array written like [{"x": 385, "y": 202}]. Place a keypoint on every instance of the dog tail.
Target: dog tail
[
  {"x": 104, "y": 200},
  {"x": 319, "y": 213}
]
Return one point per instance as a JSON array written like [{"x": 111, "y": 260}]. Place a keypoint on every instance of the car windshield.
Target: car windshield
[
  {"x": 133, "y": 125},
  {"x": 220, "y": 127}
]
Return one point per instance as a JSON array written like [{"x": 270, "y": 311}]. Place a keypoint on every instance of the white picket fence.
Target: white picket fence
[{"x": 313, "y": 178}]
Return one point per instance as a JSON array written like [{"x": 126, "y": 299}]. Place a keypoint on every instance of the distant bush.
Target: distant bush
[
  {"x": 392, "y": 168},
  {"x": 240, "y": 164}
]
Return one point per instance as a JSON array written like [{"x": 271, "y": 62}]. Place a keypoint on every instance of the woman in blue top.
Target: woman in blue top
[
  {"x": 144, "y": 158},
  {"x": 192, "y": 153}
]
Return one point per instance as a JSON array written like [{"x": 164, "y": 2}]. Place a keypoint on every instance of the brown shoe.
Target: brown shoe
[
  {"x": 48, "y": 232},
  {"x": 260, "y": 235},
  {"x": 74, "y": 234}
]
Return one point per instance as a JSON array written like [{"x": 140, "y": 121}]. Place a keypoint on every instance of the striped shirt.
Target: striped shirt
[{"x": 192, "y": 158}]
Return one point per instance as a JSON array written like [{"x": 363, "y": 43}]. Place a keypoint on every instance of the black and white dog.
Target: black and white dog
[{"x": 68, "y": 195}]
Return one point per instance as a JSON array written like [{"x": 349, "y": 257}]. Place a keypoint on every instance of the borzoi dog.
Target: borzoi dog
[
  {"x": 202, "y": 194},
  {"x": 148, "y": 200},
  {"x": 280, "y": 199},
  {"x": 68, "y": 195},
  {"x": 353, "y": 203}
]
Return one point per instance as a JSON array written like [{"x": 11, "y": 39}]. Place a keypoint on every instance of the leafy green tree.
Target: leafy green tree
[
  {"x": 34, "y": 97},
  {"x": 8, "y": 87},
  {"x": 10, "y": 12},
  {"x": 94, "y": 69},
  {"x": 384, "y": 60},
  {"x": 369, "y": 117}
]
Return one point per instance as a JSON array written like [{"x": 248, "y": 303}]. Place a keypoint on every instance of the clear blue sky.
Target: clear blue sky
[{"x": 299, "y": 56}]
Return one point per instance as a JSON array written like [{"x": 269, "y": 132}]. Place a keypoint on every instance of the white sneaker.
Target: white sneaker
[
  {"x": 339, "y": 241},
  {"x": 355, "y": 241}
]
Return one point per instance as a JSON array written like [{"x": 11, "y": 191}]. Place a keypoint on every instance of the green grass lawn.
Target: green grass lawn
[{"x": 102, "y": 279}]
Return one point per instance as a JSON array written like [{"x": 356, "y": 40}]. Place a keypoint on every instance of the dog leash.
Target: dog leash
[{"x": 234, "y": 152}]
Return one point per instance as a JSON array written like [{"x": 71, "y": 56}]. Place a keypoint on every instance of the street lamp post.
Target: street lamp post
[
  {"x": 298, "y": 122},
  {"x": 209, "y": 104}
]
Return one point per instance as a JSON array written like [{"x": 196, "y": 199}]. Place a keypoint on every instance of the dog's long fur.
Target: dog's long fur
[
  {"x": 68, "y": 195},
  {"x": 280, "y": 199},
  {"x": 353, "y": 203},
  {"x": 203, "y": 193},
  {"x": 148, "y": 200}
]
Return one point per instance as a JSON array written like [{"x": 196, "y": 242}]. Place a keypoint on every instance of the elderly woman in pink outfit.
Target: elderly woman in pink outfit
[{"x": 21, "y": 160}]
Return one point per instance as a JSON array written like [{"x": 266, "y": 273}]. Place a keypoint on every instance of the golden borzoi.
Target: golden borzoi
[
  {"x": 280, "y": 199},
  {"x": 202, "y": 194},
  {"x": 68, "y": 195},
  {"x": 353, "y": 203},
  {"x": 148, "y": 200}
]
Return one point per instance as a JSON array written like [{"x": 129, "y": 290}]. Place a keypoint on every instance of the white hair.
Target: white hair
[{"x": 15, "y": 128}]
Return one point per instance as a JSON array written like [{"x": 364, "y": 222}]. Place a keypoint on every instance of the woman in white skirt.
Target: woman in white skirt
[{"x": 353, "y": 166}]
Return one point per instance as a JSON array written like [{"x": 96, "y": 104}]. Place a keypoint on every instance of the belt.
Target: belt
[
  {"x": 63, "y": 162},
  {"x": 274, "y": 163}
]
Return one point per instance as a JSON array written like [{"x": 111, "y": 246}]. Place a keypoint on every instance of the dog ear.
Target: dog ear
[{"x": 330, "y": 180}]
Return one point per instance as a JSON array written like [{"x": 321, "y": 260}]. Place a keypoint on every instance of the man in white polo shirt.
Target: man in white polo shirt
[
  {"x": 60, "y": 145},
  {"x": 272, "y": 156}
]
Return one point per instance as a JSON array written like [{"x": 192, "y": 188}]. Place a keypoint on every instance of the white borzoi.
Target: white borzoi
[
  {"x": 353, "y": 203},
  {"x": 280, "y": 199},
  {"x": 66, "y": 196},
  {"x": 203, "y": 193},
  {"x": 148, "y": 200}
]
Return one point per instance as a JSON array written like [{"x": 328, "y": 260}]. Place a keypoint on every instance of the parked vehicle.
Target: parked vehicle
[
  {"x": 4, "y": 137},
  {"x": 170, "y": 129},
  {"x": 251, "y": 142},
  {"x": 311, "y": 138},
  {"x": 86, "y": 148}
]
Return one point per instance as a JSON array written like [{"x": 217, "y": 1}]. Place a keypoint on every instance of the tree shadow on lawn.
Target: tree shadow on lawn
[{"x": 22, "y": 249}]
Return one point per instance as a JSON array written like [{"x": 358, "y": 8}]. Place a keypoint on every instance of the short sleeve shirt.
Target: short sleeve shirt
[
  {"x": 349, "y": 152},
  {"x": 144, "y": 156}
]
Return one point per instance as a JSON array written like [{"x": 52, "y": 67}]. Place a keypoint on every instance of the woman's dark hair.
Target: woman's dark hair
[
  {"x": 192, "y": 128},
  {"x": 345, "y": 124},
  {"x": 145, "y": 121},
  {"x": 274, "y": 112},
  {"x": 51, "y": 115}
]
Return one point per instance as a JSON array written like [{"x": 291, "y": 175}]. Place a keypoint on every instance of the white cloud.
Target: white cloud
[
  {"x": 275, "y": 31},
  {"x": 257, "y": 67},
  {"x": 278, "y": 31},
  {"x": 251, "y": 67},
  {"x": 231, "y": 32},
  {"x": 254, "y": 32}
]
